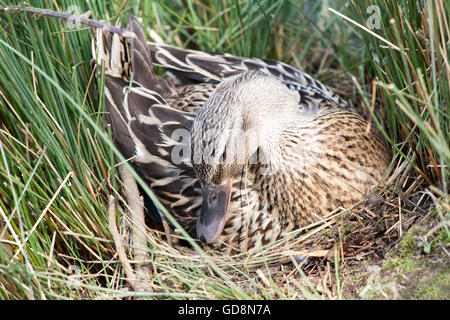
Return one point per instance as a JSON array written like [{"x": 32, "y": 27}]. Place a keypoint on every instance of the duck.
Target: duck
[{"x": 241, "y": 151}]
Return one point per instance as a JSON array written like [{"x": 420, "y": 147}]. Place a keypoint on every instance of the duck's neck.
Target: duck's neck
[
  {"x": 266, "y": 146},
  {"x": 265, "y": 120}
]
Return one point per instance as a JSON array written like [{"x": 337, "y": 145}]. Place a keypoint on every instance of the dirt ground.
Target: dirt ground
[{"x": 393, "y": 257}]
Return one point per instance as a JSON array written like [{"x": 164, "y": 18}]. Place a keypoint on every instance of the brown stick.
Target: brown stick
[
  {"x": 138, "y": 236},
  {"x": 70, "y": 17},
  {"x": 131, "y": 277}
]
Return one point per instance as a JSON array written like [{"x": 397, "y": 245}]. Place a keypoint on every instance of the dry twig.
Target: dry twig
[
  {"x": 131, "y": 277},
  {"x": 138, "y": 237}
]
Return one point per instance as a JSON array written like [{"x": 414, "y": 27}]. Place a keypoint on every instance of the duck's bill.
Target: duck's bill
[{"x": 216, "y": 199}]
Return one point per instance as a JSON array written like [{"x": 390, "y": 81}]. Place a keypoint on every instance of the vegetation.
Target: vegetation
[{"x": 58, "y": 165}]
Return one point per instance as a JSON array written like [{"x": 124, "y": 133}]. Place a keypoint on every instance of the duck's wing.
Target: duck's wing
[
  {"x": 199, "y": 66},
  {"x": 145, "y": 126}
]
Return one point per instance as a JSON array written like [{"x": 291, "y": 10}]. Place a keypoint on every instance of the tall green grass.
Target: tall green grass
[
  {"x": 410, "y": 63},
  {"x": 53, "y": 167},
  {"x": 57, "y": 170},
  {"x": 412, "y": 78}
]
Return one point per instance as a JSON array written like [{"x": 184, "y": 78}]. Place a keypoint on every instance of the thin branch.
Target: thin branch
[
  {"x": 74, "y": 18},
  {"x": 131, "y": 277},
  {"x": 138, "y": 237}
]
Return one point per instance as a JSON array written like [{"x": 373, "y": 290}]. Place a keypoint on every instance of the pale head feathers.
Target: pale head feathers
[{"x": 246, "y": 113}]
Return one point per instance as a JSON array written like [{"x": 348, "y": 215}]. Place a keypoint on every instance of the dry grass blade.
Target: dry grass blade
[
  {"x": 138, "y": 228},
  {"x": 118, "y": 241}
]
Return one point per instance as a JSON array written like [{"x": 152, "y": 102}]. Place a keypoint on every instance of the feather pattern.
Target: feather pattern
[{"x": 324, "y": 157}]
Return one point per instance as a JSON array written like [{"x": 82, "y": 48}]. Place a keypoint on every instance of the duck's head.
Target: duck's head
[{"x": 239, "y": 124}]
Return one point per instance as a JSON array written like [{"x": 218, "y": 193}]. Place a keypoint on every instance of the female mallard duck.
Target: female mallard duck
[{"x": 247, "y": 150}]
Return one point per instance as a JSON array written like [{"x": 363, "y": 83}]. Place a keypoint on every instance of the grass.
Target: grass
[
  {"x": 413, "y": 80},
  {"x": 58, "y": 166}
]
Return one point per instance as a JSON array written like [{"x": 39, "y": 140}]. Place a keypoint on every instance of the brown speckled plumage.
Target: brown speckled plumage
[{"x": 311, "y": 154}]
